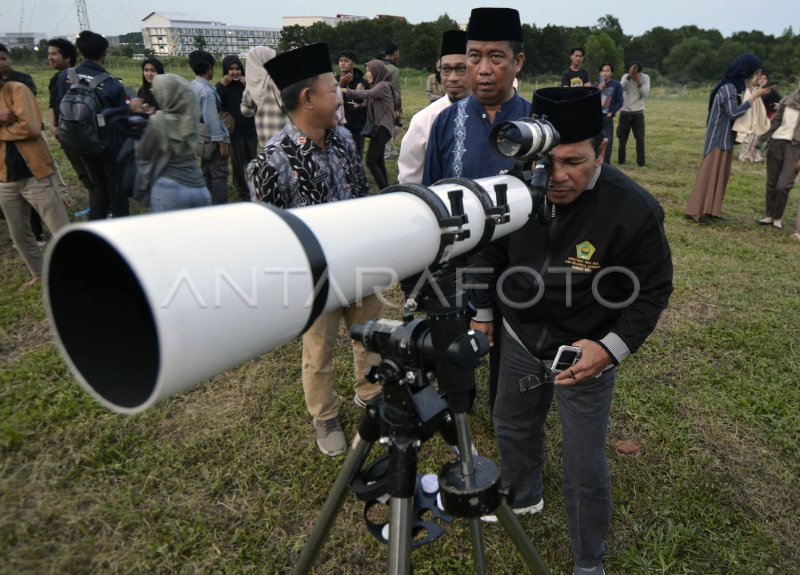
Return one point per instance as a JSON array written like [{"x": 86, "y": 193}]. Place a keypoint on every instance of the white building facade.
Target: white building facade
[{"x": 173, "y": 34}]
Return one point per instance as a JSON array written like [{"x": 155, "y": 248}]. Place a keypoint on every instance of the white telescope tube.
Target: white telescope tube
[{"x": 146, "y": 307}]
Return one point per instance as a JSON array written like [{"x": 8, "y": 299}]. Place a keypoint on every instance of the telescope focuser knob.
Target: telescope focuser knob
[{"x": 499, "y": 213}]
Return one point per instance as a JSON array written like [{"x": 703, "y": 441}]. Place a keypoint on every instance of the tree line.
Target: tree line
[{"x": 684, "y": 55}]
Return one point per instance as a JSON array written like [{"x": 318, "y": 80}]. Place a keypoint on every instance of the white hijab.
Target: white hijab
[{"x": 258, "y": 84}]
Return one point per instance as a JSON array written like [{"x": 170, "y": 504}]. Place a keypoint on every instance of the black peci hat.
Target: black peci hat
[
  {"x": 576, "y": 113},
  {"x": 454, "y": 42},
  {"x": 298, "y": 64},
  {"x": 494, "y": 24}
]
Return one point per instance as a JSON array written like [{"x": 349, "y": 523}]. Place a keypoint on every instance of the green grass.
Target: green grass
[{"x": 227, "y": 479}]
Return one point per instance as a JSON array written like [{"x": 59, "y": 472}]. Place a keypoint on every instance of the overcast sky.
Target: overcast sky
[{"x": 111, "y": 17}]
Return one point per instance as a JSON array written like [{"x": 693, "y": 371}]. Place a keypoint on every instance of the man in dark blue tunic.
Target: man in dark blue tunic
[{"x": 459, "y": 140}]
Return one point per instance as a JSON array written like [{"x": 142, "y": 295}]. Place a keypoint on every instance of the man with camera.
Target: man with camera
[
  {"x": 635, "y": 88},
  {"x": 313, "y": 160},
  {"x": 594, "y": 272}
]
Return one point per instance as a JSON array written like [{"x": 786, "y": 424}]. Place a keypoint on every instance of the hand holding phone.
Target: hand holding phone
[{"x": 566, "y": 357}]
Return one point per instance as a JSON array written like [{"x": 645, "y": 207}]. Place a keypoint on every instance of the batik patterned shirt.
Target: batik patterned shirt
[{"x": 293, "y": 171}]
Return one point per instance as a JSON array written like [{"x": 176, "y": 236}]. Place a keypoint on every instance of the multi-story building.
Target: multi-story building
[
  {"x": 173, "y": 34},
  {"x": 29, "y": 40}
]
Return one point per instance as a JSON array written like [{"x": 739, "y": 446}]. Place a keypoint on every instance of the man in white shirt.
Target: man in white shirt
[{"x": 454, "y": 75}]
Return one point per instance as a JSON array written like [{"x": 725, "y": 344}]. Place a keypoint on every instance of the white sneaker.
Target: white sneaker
[
  {"x": 596, "y": 570},
  {"x": 529, "y": 510}
]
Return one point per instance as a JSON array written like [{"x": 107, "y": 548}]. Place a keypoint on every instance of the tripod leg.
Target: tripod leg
[
  {"x": 352, "y": 465},
  {"x": 519, "y": 537},
  {"x": 467, "y": 465},
  {"x": 400, "y": 521},
  {"x": 478, "y": 548}
]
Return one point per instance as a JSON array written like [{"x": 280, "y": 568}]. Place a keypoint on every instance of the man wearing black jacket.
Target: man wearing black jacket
[
  {"x": 596, "y": 273},
  {"x": 354, "y": 112},
  {"x": 105, "y": 195}
]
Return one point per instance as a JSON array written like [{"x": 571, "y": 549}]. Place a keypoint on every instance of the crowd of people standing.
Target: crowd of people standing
[{"x": 293, "y": 135}]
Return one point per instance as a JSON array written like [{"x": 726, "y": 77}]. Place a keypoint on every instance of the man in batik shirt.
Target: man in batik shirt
[{"x": 313, "y": 160}]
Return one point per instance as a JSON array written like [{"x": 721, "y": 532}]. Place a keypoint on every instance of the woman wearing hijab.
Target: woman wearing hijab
[
  {"x": 724, "y": 106},
  {"x": 151, "y": 67},
  {"x": 783, "y": 160},
  {"x": 380, "y": 117},
  {"x": 244, "y": 137},
  {"x": 167, "y": 151},
  {"x": 261, "y": 97}
]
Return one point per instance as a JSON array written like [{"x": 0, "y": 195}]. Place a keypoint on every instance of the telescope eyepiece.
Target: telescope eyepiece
[{"x": 524, "y": 138}]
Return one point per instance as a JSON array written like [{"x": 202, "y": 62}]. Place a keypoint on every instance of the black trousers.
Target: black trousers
[
  {"x": 375, "y": 161},
  {"x": 358, "y": 138},
  {"x": 631, "y": 121},
  {"x": 243, "y": 149},
  {"x": 105, "y": 196}
]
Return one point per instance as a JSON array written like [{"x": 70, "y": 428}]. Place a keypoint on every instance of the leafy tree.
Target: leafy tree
[
  {"x": 611, "y": 26},
  {"x": 292, "y": 37},
  {"x": 651, "y": 48},
  {"x": 41, "y": 50},
  {"x": 601, "y": 48},
  {"x": 131, "y": 38},
  {"x": 546, "y": 49},
  {"x": 688, "y": 61},
  {"x": 200, "y": 42}
]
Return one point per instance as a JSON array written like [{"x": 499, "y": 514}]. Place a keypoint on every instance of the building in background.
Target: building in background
[
  {"x": 29, "y": 40},
  {"x": 306, "y": 21},
  {"x": 174, "y": 34}
]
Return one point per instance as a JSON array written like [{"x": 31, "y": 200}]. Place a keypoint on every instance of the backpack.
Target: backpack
[
  {"x": 81, "y": 125},
  {"x": 134, "y": 178}
]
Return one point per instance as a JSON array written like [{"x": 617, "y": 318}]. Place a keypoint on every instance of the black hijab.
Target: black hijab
[{"x": 145, "y": 92}]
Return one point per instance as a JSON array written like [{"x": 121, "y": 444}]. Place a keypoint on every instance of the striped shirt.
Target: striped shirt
[{"x": 724, "y": 110}]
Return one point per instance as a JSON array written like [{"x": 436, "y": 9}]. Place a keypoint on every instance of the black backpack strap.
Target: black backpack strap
[{"x": 99, "y": 79}]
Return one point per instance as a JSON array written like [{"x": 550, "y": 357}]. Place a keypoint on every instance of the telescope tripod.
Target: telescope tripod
[{"x": 409, "y": 412}]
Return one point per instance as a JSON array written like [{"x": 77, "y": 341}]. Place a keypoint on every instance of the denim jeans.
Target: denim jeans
[
  {"x": 519, "y": 421},
  {"x": 167, "y": 195},
  {"x": 608, "y": 134}
]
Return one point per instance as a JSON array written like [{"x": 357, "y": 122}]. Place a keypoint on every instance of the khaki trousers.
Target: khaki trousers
[
  {"x": 319, "y": 375},
  {"x": 17, "y": 198}
]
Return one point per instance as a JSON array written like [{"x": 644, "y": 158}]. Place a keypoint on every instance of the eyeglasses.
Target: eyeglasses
[
  {"x": 458, "y": 70},
  {"x": 530, "y": 382}
]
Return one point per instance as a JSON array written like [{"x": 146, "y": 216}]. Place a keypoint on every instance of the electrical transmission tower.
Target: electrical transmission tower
[{"x": 83, "y": 16}]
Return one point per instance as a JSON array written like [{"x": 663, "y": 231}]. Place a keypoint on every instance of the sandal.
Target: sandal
[
  {"x": 764, "y": 222},
  {"x": 795, "y": 236}
]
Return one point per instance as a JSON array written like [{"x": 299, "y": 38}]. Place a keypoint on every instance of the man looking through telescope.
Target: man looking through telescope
[
  {"x": 597, "y": 277},
  {"x": 311, "y": 161}
]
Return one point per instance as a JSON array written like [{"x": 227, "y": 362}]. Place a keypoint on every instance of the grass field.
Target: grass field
[{"x": 227, "y": 479}]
